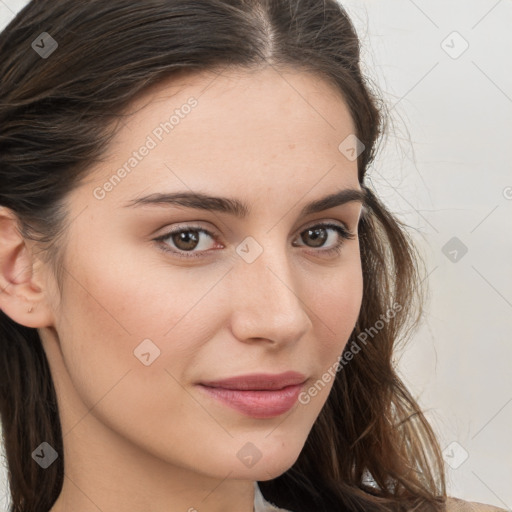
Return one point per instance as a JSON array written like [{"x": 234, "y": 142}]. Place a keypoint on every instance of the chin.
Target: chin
[{"x": 276, "y": 460}]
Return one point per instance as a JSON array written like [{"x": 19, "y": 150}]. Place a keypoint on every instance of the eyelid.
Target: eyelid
[{"x": 324, "y": 222}]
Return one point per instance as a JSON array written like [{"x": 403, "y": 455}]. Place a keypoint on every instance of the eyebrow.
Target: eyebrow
[{"x": 237, "y": 208}]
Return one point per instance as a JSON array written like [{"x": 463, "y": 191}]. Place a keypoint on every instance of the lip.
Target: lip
[
  {"x": 257, "y": 395},
  {"x": 258, "y": 381}
]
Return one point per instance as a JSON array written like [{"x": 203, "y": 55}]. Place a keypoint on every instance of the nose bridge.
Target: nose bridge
[{"x": 268, "y": 303}]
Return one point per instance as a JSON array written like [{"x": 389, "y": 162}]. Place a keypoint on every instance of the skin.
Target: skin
[{"x": 142, "y": 437}]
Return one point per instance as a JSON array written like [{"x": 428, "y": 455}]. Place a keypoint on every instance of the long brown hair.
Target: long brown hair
[{"x": 57, "y": 116}]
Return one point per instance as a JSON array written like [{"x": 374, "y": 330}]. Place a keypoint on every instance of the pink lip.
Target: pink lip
[{"x": 258, "y": 395}]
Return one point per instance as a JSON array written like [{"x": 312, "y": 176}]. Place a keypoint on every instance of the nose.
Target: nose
[{"x": 268, "y": 300}]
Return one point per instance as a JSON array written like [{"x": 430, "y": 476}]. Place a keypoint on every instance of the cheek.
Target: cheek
[
  {"x": 336, "y": 308},
  {"x": 110, "y": 306},
  {"x": 335, "y": 305},
  {"x": 117, "y": 301},
  {"x": 107, "y": 311}
]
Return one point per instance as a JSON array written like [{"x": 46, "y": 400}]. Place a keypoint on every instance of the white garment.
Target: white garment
[{"x": 262, "y": 505}]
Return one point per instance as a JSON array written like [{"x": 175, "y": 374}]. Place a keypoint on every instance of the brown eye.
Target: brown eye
[
  {"x": 186, "y": 240},
  {"x": 317, "y": 236}
]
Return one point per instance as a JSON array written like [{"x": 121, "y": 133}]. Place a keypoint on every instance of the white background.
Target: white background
[{"x": 446, "y": 171}]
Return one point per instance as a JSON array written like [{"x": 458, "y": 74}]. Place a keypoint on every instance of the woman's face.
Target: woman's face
[{"x": 141, "y": 323}]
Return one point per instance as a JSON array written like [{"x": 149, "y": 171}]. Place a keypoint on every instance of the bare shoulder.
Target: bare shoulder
[{"x": 458, "y": 505}]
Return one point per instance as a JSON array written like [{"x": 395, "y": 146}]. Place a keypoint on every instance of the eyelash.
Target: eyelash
[{"x": 344, "y": 234}]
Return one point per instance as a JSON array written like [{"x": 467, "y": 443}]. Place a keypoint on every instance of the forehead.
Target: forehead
[
  {"x": 270, "y": 97},
  {"x": 233, "y": 129}
]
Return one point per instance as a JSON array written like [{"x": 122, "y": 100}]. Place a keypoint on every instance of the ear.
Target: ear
[{"x": 23, "y": 293}]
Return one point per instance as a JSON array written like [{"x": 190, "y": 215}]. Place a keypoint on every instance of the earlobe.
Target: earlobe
[{"x": 22, "y": 297}]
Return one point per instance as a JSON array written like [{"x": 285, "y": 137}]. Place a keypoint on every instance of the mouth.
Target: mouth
[{"x": 257, "y": 395}]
